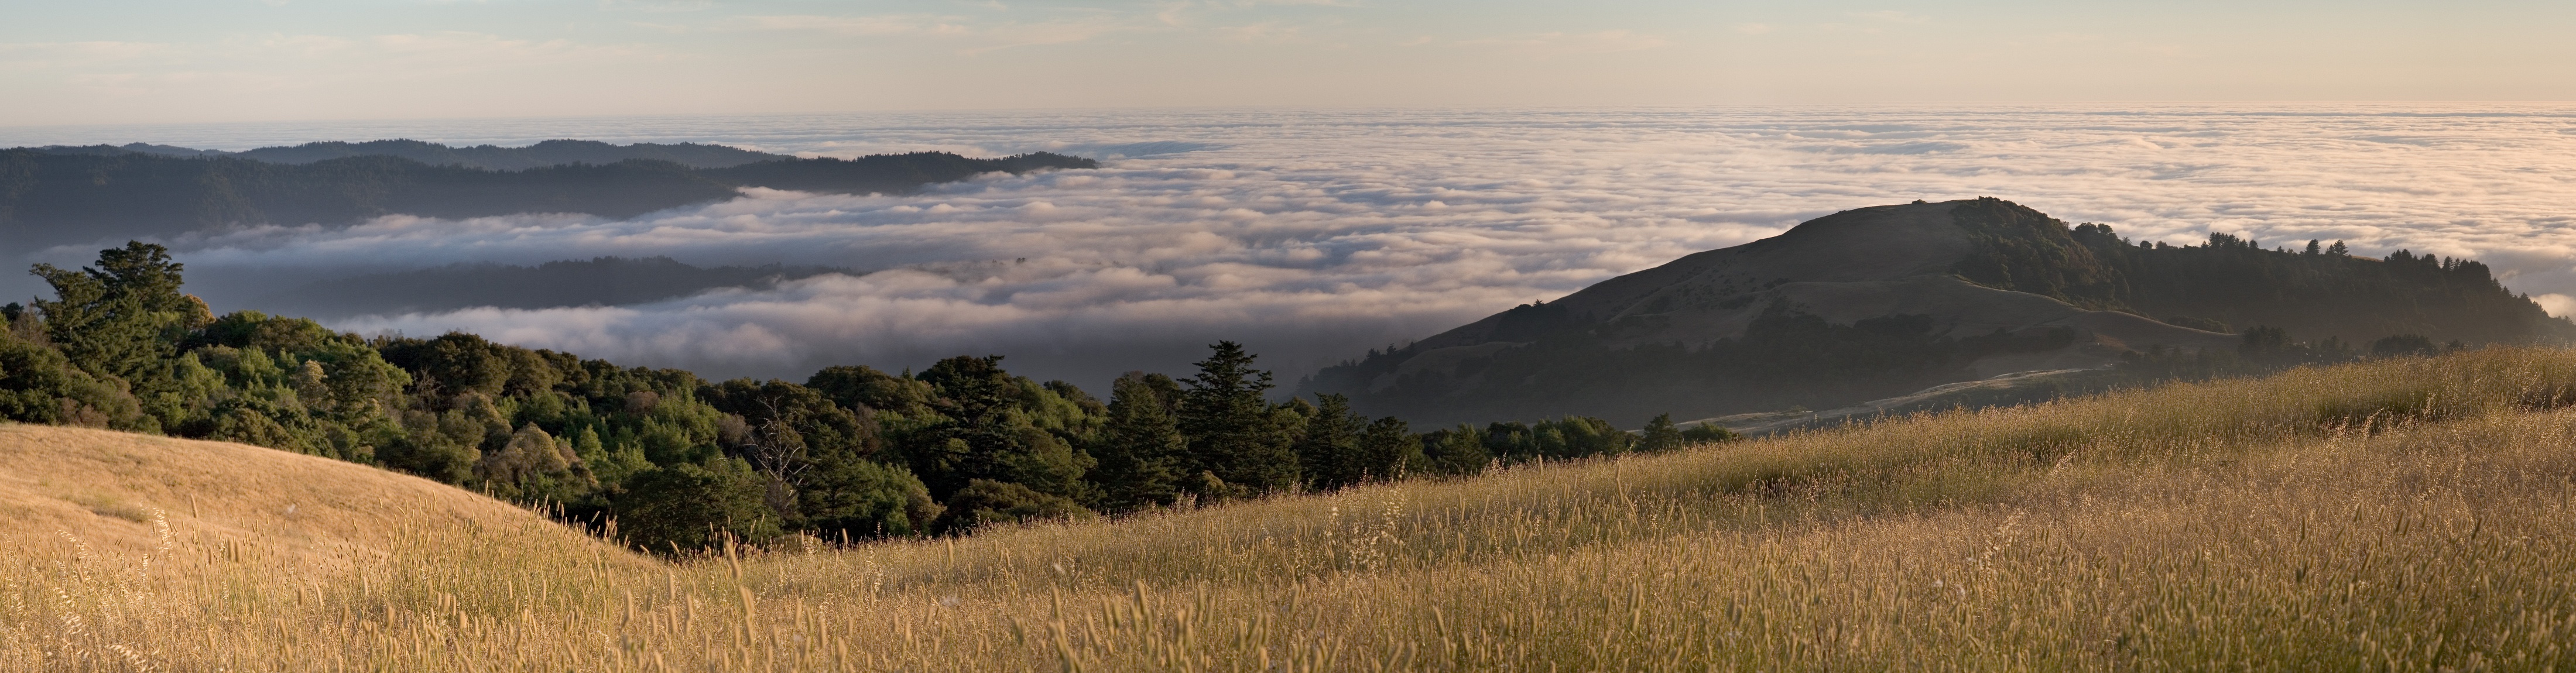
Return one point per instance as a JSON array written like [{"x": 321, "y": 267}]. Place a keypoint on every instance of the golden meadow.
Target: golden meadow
[{"x": 2406, "y": 514}]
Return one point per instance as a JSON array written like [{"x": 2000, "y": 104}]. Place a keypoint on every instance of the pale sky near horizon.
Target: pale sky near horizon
[{"x": 273, "y": 60}]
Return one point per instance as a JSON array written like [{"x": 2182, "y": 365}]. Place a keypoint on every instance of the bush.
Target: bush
[
  {"x": 984, "y": 502},
  {"x": 687, "y": 507},
  {"x": 861, "y": 499}
]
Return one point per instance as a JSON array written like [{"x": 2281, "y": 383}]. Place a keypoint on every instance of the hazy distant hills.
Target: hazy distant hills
[
  {"x": 56, "y": 196},
  {"x": 1879, "y": 302},
  {"x": 604, "y": 281},
  {"x": 548, "y": 153}
]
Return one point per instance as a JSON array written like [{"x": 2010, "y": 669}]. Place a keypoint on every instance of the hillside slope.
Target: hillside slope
[
  {"x": 1878, "y": 302},
  {"x": 106, "y": 488},
  {"x": 2404, "y": 513}
]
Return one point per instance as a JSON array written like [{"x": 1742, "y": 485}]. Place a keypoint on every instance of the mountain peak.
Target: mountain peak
[{"x": 1877, "y": 301}]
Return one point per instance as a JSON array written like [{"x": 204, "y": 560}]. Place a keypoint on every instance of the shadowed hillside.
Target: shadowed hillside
[{"x": 1881, "y": 302}]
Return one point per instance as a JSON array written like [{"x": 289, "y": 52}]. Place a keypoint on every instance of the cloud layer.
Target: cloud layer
[{"x": 1316, "y": 235}]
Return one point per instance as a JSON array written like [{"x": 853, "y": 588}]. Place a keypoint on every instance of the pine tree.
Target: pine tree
[
  {"x": 1389, "y": 450},
  {"x": 1140, "y": 449},
  {"x": 1234, "y": 435},
  {"x": 123, "y": 318},
  {"x": 1329, "y": 452}
]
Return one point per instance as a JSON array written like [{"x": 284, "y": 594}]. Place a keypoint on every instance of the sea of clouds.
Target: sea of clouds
[{"x": 1313, "y": 236}]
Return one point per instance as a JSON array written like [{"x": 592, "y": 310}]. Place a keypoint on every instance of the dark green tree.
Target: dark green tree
[
  {"x": 1456, "y": 451},
  {"x": 689, "y": 507},
  {"x": 983, "y": 423},
  {"x": 39, "y": 385},
  {"x": 1708, "y": 433},
  {"x": 122, "y": 319},
  {"x": 1388, "y": 450},
  {"x": 862, "y": 387},
  {"x": 1661, "y": 435},
  {"x": 788, "y": 432},
  {"x": 858, "y": 499},
  {"x": 1328, "y": 453},
  {"x": 985, "y": 502},
  {"x": 1234, "y": 435},
  {"x": 1141, "y": 448}
]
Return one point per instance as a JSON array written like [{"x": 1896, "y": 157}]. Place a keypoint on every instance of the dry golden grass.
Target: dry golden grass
[{"x": 2405, "y": 514}]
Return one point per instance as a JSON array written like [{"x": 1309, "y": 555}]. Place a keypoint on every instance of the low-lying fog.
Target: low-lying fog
[{"x": 1314, "y": 236}]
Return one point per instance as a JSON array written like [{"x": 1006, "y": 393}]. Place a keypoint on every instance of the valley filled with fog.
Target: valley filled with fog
[{"x": 1314, "y": 236}]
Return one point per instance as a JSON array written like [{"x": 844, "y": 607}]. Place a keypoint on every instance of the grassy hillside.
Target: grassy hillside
[{"x": 2404, "y": 513}]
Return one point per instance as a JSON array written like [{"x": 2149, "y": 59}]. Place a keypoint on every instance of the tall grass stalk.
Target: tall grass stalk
[{"x": 2410, "y": 513}]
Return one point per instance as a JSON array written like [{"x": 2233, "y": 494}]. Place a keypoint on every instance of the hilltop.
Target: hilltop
[{"x": 1885, "y": 301}]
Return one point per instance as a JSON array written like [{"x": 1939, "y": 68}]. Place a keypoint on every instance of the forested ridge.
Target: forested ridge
[
  {"x": 2319, "y": 290},
  {"x": 50, "y": 198},
  {"x": 676, "y": 461},
  {"x": 1546, "y": 361}
]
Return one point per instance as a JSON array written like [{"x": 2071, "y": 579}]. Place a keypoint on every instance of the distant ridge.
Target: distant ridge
[
  {"x": 491, "y": 157},
  {"x": 1881, "y": 302},
  {"x": 60, "y": 196}
]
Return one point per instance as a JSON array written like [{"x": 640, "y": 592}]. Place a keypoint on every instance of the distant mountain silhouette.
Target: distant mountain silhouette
[
  {"x": 65, "y": 197},
  {"x": 603, "y": 281},
  {"x": 1880, "y": 302},
  {"x": 548, "y": 153}
]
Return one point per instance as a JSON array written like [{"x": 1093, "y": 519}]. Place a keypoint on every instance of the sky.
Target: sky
[
  {"x": 190, "y": 61},
  {"x": 1315, "y": 178}
]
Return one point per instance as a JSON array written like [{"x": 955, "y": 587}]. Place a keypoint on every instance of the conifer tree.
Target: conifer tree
[
  {"x": 123, "y": 318},
  {"x": 1388, "y": 450},
  {"x": 1141, "y": 448},
  {"x": 1234, "y": 435},
  {"x": 1329, "y": 452}
]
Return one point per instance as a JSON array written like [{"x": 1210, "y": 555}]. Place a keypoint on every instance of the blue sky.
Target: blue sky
[{"x": 264, "y": 60}]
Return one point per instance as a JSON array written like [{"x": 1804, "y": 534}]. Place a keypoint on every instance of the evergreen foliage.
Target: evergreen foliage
[
  {"x": 1236, "y": 437},
  {"x": 1140, "y": 447}
]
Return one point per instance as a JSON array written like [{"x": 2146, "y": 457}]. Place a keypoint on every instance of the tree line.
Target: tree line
[
  {"x": 677, "y": 462},
  {"x": 2319, "y": 289}
]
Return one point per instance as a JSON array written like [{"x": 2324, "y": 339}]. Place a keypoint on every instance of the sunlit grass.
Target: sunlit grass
[{"x": 2397, "y": 514}]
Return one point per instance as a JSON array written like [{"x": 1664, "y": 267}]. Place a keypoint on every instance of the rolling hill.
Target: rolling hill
[
  {"x": 1885, "y": 301},
  {"x": 113, "y": 491},
  {"x": 2405, "y": 513}
]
